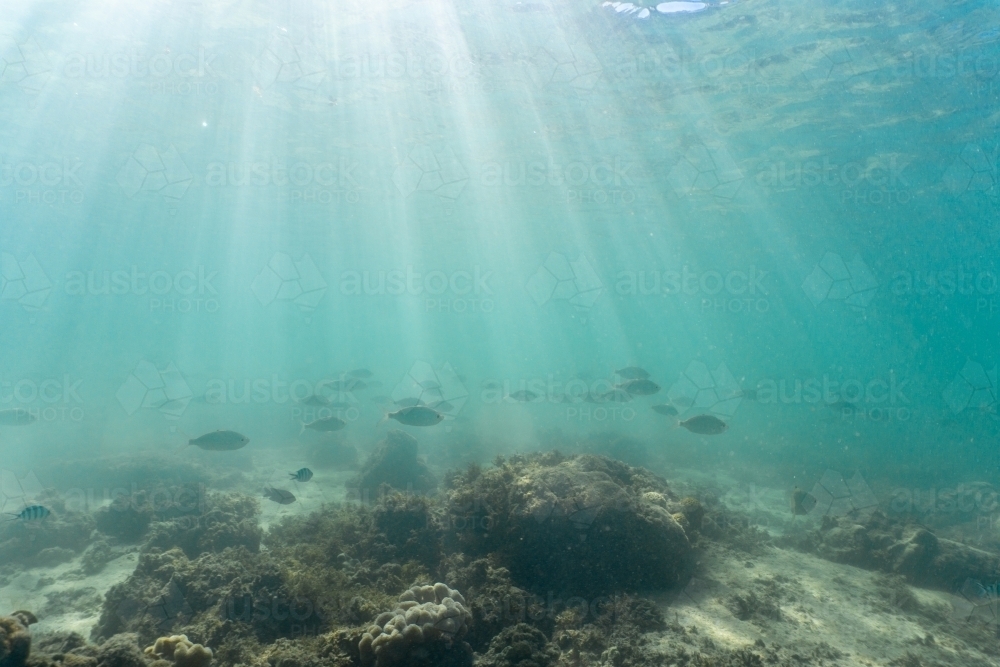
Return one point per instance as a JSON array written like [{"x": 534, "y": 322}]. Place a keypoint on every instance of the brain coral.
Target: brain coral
[{"x": 428, "y": 620}]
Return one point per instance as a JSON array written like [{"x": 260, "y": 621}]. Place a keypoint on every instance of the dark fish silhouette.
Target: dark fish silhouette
[
  {"x": 418, "y": 415},
  {"x": 705, "y": 425},
  {"x": 632, "y": 373},
  {"x": 220, "y": 441},
  {"x": 524, "y": 396},
  {"x": 640, "y": 387},
  {"x": 802, "y": 502},
  {"x": 324, "y": 425},
  {"x": 279, "y": 496}
]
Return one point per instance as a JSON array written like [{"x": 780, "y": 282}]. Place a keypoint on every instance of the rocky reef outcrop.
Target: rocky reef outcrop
[{"x": 583, "y": 525}]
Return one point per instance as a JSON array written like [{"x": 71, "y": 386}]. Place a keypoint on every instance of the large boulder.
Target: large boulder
[
  {"x": 878, "y": 542},
  {"x": 583, "y": 525},
  {"x": 393, "y": 463}
]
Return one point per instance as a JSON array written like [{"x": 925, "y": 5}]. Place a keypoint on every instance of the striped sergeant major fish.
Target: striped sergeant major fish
[{"x": 31, "y": 513}]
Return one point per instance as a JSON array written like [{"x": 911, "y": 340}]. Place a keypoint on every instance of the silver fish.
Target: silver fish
[
  {"x": 417, "y": 415},
  {"x": 16, "y": 417},
  {"x": 632, "y": 373},
  {"x": 316, "y": 401},
  {"x": 409, "y": 402},
  {"x": 302, "y": 475},
  {"x": 665, "y": 409},
  {"x": 705, "y": 425},
  {"x": 220, "y": 441},
  {"x": 279, "y": 496},
  {"x": 324, "y": 425},
  {"x": 640, "y": 387}
]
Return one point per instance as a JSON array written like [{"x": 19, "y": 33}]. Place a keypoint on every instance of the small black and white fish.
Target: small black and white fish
[
  {"x": 524, "y": 396},
  {"x": 705, "y": 425},
  {"x": 279, "y": 496},
  {"x": 31, "y": 513},
  {"x": 639, "y": 387},
  {"x": 665, "y": 409},
  {"x": 302, "y": 475},
  {"x": 417, "y": 415},
  {"x": 632, "y": 373},
  {"x": 324, "y": 425},
  {"x": 17, "y": 417}
]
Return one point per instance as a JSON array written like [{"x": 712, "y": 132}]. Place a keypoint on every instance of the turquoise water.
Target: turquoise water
[{"x": 209, "y": 205}]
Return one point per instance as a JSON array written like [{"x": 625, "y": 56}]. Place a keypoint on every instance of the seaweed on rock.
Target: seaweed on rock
[{"x": 580, "y": 525}]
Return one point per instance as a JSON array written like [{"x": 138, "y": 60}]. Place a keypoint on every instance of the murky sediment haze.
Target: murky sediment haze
[{"x": 250, "y": 216}]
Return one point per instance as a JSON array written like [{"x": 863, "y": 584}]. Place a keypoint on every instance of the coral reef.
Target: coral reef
[
  {"x": 394, "y": 463},
  {"x": 180, "y": 651},
  {"x": 425, "y": 628},
  {"x": 575, "y": 525},
  {"x": 520, "y": 645},
  {"x": 229, "y": 520},
  {"x": 881, "y": 543},
  {"x": 15, "y": 639}
]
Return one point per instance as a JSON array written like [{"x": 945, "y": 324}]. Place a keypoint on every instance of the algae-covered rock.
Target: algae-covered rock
[
  {"x": 180, "y": 651},
  {"x": 120, "y": 651},
  {"x": 394, "y": 462},
  {"x": 574, "y": 525},
  {"x": 15, "y": 639},
  {"x": 520, "y": 645},
  {"x": 229, "y": 520},
  {"x": 881, "y": 543},
  {"x": 425, "y": 628}
]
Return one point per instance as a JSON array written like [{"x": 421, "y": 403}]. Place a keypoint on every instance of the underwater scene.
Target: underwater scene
[{"x": 524, "y": 333}]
